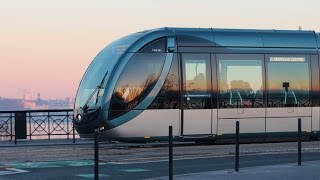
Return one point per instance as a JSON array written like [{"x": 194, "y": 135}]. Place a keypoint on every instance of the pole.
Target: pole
[
  {"x": 170, "y": 154},
  {"x": 237, "y": 147},
  {"x": 96, "y": 154},
  {"x": 299, "y": 142},
  {"x": 73, "y": 135}
]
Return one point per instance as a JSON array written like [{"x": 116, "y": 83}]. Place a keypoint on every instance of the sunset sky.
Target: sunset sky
[{"x": 45, "y": 46}]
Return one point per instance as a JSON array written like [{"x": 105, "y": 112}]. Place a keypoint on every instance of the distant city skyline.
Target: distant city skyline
[
  {"x": 29, "y": 102},
  {"x": 23, "y": 93},
  {"x": 46, "y": 46}
]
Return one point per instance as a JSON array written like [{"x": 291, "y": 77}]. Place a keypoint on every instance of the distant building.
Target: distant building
[{"x": 29, "y": 103}]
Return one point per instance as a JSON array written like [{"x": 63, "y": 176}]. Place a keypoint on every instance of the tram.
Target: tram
[{"x": 201, "y": 81}]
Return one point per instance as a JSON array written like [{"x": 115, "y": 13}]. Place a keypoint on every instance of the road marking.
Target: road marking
[
  {"x": 78, "y": 163},
  {"x": 191, "y": 157},
  {"x": 54, "y": 164},
  {"x": 135, "y": 170},
  {"x": 141, "y": 162},
  {"x": 91, "y": 176},
  {"x": 31, "y": 165},
  {"x": 9, "y": 171}
]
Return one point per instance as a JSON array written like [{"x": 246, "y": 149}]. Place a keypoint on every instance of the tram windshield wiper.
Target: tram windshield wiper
[{"x": 97, "y": 89}]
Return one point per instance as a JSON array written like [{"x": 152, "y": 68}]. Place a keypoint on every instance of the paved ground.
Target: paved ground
[
  {"x": 140, "y": 161},
  {"x": 138, "y": 152},
  {"x": 191, "y": 168},
  {"x": 308, "y": 171}
]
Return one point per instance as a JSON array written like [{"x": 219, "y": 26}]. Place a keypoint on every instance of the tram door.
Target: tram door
[
  {"x": 288, "y": 80},
  {"x": 241, "y": 93},
  {"x": 196, "y": 94}
]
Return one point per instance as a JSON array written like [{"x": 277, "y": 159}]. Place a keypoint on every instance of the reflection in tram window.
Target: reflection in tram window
[
  {"x": 197, "y": 81},
  {"x": 240, "y": 83},
  {"x": 289, "y": 82},
  {"x": 136, "y": 81},
  {"x": 195, "y": 75},
  {"x": 169, "y": 95}
]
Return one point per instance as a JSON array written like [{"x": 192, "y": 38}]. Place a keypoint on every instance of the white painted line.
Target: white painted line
[
  {"x": 165, "y": 159},
  {"x": 12, "y": 171}
]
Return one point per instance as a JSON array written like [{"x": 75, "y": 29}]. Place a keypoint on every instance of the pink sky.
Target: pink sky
[{"x": 45, "y": 46}]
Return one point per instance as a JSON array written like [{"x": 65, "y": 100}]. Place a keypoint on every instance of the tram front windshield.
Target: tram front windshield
[{"x": 88, "y": 94}]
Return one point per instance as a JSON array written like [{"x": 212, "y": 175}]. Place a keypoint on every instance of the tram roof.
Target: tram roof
[{"x": 239, "y": 37}]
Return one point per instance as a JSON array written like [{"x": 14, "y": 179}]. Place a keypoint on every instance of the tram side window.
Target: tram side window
[
  {"x": 169, "y": 95},
  {"x": 197, "y": 81},
  {"x": 240, "y": 81},
  {"x": 288, "y": 81},
  {"x": 135, "y": 82}
]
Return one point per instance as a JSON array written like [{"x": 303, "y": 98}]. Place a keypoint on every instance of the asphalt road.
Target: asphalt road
[{"x": 150, "y": 168}]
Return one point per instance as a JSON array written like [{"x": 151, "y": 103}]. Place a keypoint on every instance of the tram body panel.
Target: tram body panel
[
  {"x": 242, "y": 113},
  {"x": 289, "y": 112},
  {"x": 287, "y": 124},
  {"x": 286, "y": 119},
  {"x": 148, "y": 124},
  {"x": 315, "y": 118},
  {"x": 214, "y": 123},
  {"x": 252, "y": 120},
  {"x": 247, "y": 125},
  {"x": 197, "y": 122}
]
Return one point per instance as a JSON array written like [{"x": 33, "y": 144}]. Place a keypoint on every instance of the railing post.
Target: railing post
[
  {"x": 73, "y": 131},
  {"x": 20, "y": 126},
  {"x": 15, "y": 138},
  {"x": 237, "y": 147},
  {"x": 96, "y": 153},
  {"x": 49, "y": 130},
  {"x": 68, "y": 130},
  {"x": 74, "y": 135},
  {"x": 170, "y": 154},
  {"x": 30, "y": 132},
  {"x": 11, "y": 132},
  {"x": 299, "y": 142}
]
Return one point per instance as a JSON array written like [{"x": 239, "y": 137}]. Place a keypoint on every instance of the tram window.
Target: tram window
[
  {"x": 196, "y": 81},
  {"x": 240, "y": 81},
  {"x": 99, "y": 67},
  {"x": 135, "y": 82},
  {"x": 288, "y": 81},
  {"x": 169, "y": 95},
  {"x": 156, "y": 46}
]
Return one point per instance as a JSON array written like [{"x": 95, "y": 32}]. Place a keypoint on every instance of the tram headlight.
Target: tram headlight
[{"x": 79, "y": 117}]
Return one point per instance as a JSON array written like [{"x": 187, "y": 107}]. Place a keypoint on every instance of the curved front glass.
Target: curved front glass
[
  {"x": 135, "y": 82},
  {"x": 89, "y": 91}
]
